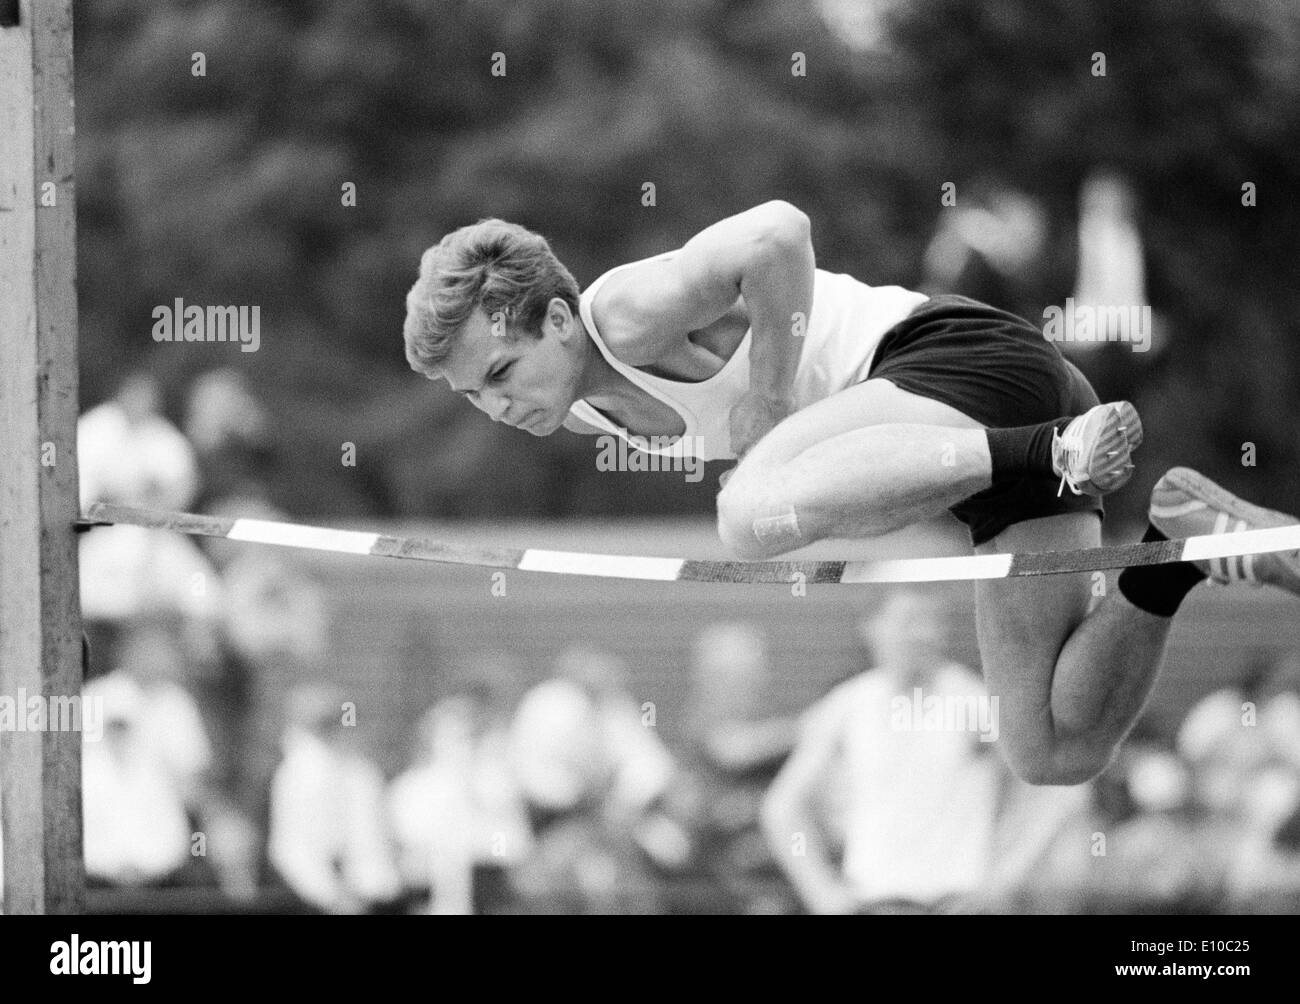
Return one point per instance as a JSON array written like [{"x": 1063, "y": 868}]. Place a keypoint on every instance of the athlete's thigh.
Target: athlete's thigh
[
  {"x": 873, "y": 402},
  {"x": 1024, "y": 623}
]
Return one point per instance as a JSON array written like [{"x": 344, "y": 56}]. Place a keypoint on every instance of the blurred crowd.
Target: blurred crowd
[{"x": 230, "y": 776}]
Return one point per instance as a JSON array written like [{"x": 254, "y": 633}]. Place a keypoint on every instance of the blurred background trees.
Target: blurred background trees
[{"x": 226, "y": 189}]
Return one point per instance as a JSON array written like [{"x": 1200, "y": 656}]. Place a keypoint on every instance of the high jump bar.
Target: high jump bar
[{"x": 657, "y": 569}]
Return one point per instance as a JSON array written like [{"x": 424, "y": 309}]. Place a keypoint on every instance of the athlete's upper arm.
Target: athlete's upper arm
[{"x": 653, "y": 306}]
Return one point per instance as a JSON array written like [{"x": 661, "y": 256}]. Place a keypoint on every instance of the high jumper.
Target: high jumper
[{"x": 852, "y": 411}]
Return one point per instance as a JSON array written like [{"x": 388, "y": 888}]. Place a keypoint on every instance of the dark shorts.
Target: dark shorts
[{"x": 998, "y": 369}]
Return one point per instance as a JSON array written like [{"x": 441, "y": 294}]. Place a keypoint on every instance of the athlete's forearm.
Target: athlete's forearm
[{"x": 778, "y": 289}]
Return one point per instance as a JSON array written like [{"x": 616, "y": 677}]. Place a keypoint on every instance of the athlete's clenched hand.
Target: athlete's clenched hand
[{"x": 752, "y": 418}]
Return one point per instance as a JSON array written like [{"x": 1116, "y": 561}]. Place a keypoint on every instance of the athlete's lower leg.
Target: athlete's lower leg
[
  {"x": 1069, "y": 689},
  {"x": 1108, "y": 664},
  {"x": 1072, "y": 675},
  {"x": 1104, "y": 675}
]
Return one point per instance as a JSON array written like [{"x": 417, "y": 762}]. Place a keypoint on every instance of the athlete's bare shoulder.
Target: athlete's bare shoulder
[
  {"x": 627, "y": 309},
  {"x": 646, "y": 312}
]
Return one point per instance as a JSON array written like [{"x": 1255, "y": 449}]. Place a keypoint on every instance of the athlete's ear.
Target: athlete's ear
[{"x": 560, "y": 319}]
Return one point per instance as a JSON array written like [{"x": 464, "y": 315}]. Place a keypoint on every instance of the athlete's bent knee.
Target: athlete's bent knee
[
  {"x": 753, "y": 526},
  {"x": 1059, "y": 766}
]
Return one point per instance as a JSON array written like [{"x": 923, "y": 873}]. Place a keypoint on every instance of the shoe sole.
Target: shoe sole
[
  {"x": 1196, "y": 486},
  {"x": 1121, "y": 434}
]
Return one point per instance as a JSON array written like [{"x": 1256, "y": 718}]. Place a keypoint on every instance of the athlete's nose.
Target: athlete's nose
[{"x": 494, "y": 405}]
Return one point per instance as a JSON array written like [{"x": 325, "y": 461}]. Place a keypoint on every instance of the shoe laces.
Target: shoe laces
[{"x": 1071, "y": 450}]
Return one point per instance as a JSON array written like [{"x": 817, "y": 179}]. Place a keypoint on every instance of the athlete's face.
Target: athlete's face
[{"x": 525, "y": 382}]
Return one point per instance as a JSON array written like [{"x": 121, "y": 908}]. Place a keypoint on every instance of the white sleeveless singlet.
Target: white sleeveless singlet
[{"x": 847, "y": 321}]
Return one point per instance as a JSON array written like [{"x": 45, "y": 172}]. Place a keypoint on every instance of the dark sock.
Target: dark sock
[
  {"x": 1159, "y": 589},
  {"x": 1023, "y": 450}
]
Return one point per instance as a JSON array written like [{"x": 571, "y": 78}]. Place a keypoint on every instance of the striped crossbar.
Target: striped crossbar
[{"x": 620, "y": 566}]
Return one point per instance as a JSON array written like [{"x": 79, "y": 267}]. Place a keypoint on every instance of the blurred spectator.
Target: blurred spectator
[
  {"x": 593, "y": 775},
  {"x": 136, "y": 829},
  {"x": 1244, "y": 747},
  {"x": 327, "y": 837},
  {"x": 229, "y": 429},
  {"x": 1127, "y": 842},
  {"x": 1038, "y": 828},
  {"x": 1155, "y": 848},
  {"x": 1111, "y": 272},
  {"x": 734, "y": 748},
  {"x": 580, "y": 737},
  {"x": 457, "y": 814},
  {"x": 129, "y": 454},
  {"x": 884, "y": 807},
  {"x": 989, "y": 246},
  {"x": 129, "y": 572},
  {"x": 274, "y": 628},
  {"x": 274, "y": 614},
  {"x": 728, "y": 703},
  {"x": 153, "y": 814}
]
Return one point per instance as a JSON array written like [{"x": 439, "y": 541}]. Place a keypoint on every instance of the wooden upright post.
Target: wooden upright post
[{"x": 40, "y": 619}]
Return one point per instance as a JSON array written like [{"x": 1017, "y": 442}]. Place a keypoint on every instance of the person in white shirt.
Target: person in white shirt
[
  {"x": 134, "y": 788},
  {"x": 890, "y": 767},
  {"x": 128, "y": 453},
  {"x": 1243, "y": 744},
  {"x": 327, "y": 834},
  {"x": 594, "y": 774},
  {"x": 457, "y": 813},
  {"x": 580, "y": 737},
  {"x": 149, "y": 794}
]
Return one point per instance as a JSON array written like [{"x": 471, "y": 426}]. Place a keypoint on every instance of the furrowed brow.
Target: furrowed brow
[
  {"x": 495, "y": 355},
  {"x": 482, "y": 382}
]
